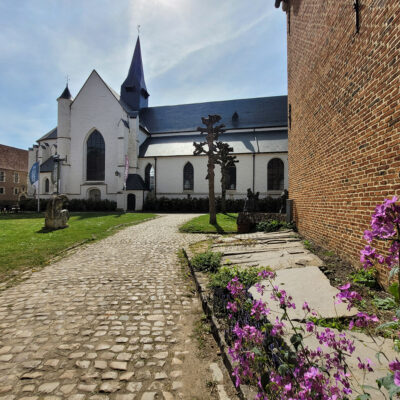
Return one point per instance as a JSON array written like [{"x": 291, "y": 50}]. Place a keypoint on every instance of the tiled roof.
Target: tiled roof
[
  {"x": 49, "y": 135},
  {"x": 13, "y": 158},
  {"x": 48, "y": 165},
  {"x": 249, "y": 142},
  {"x": 135, "y": 182},
  {"x": 258, "y": 112}
]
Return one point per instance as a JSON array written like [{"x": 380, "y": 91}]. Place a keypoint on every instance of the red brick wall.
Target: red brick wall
[
  {"x": 13, "y": 160},
  {"x": 344, "y": 141}
]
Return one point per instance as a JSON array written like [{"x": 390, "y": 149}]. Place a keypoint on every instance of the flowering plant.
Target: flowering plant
[{"x": 385, "y": 225}]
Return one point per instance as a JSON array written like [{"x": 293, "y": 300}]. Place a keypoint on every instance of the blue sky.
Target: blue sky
[{"x": 193, "y": 51}]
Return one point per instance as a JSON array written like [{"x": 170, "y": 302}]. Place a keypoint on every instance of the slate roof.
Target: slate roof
[
  {"x": 135, "y": 182},
  {"x": 48, "y": 165},
  {"x": 258, "y": 112},
  {"x": 66, "y": 94},
  {"x": 49, "y": 135},
  {"x": 249, "y": 142}
]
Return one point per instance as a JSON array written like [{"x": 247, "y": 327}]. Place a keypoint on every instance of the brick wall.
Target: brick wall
[
  {"x": 12, "y": 160},
  {"x": 344, "y": 141}
]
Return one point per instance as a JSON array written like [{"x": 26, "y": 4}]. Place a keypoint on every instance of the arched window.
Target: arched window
[
  {"x": 188, "y": 177},
  {"x": 95, "y": 157},
  {"x": 47, "y": 186},
  {"x": 276, "y": 174},
  {"x": 231, "y": 178},
  {"x": 149, "y": 178},
  {"x": 94, "y": 194}
]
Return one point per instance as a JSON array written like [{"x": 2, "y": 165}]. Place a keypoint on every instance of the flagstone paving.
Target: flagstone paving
[{"x": 106, "y": 322}]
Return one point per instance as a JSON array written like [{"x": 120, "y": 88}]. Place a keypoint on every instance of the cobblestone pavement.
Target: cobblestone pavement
[{"x": 103, "y": 323}]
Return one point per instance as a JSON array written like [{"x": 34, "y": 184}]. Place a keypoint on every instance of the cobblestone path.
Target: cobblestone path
[{"x": 103, "y": 323}]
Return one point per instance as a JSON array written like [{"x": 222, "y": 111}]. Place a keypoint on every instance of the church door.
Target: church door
[{"x": 131, "y": 202}]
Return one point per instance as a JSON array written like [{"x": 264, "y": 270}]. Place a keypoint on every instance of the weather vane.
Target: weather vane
[
  {"x": 67, "y": 79},
  {"x": 138, "y": 30}
]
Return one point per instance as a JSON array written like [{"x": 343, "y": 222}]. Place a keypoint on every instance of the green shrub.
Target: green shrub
[
  {"x": 71, "y": 205},
  {"x": 248, "y": 276},
  {"x": 384, "y": 304},
  {"x": 366, "y": 277},
  {"x": 272, "y": 225},
  {"x": 193, "y": 204},
  {"x": 207, "y": 262}
]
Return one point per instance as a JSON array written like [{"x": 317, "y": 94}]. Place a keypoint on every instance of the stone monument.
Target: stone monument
[{"x": 56, "y": 217}]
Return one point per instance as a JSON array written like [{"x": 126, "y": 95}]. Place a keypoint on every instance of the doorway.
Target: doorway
[{"x": 131, "y": 202}]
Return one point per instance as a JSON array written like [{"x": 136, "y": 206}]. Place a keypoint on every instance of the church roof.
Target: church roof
[
  {"x": 135, "y": 182},
  {"x": 133, "y": 91},
  {"x": 66, "y": 94},
  {"x": 258, "y": 112},
  {"x": 48, "y": 165},
  {"x": 274, "y": 141},
  {"x": 49, "y": 135}
]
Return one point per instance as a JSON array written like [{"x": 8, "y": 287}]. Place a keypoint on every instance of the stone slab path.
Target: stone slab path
[{"x": 104, "y": 323}]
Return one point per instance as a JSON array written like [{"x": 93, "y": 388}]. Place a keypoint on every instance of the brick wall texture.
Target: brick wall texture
[
  {"x": 344, "y": 140},
  {"x": 13, "y": 160}
]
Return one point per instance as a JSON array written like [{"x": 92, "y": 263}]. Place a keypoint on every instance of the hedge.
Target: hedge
[
  {"x": 71, "y": 205},
  {"x": 266, "y": 204}
]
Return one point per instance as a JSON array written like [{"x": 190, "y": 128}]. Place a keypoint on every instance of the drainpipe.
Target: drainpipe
[
  {"x": 254, "y": 164},
  {"x": 155, "y": 177}
]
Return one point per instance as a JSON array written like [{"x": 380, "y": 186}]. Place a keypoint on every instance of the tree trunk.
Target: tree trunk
[
  {"x": 223, "y": 190},
  {"x": 211, "y": 192}
]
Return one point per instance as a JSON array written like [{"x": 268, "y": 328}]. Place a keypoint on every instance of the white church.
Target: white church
[{"x": 116, "y": 147}]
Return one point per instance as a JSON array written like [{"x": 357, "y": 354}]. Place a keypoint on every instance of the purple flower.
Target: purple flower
[
  {"x": 394, "y": 365},
  {"x": 397, "y": 378}
]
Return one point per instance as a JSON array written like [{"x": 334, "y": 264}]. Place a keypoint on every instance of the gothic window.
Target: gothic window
[
  {"x": 188, "y": 177},
  {"x": 94, "y": 194},
  {"x": 149, "y": 177},
  {"x": 95, "y": 157},
  {"x": 231, "y": 178},
  {"x": 46, "y": 186},
  {"x": 276, "y": 174}
]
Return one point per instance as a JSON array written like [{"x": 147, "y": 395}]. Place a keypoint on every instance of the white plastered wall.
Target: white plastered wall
[{"x": 169, "y": 175}]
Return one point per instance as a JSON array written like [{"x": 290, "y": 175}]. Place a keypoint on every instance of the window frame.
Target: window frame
[
  {"x": 229, "y": 176},
  {"x": 96, "y": 167},
  {"x": 2, "y": 190},
  {"x": 190, "y": 177},
  {"x": 272, "y": 180},
  {"x": 16, "y": 177},
  {"x": 3, "y": 174}
]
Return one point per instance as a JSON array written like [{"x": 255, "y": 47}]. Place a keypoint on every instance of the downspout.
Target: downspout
[
  {"x": 254, "y": 159},
  {"x": 254, "y": 164},
  {"x": 155, "y": 177}
]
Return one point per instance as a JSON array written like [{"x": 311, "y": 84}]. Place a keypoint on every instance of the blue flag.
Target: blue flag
[{"x": 34, "y": 173}]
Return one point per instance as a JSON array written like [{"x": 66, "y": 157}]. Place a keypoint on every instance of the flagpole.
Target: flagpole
[{"x": 38, "y": 199}]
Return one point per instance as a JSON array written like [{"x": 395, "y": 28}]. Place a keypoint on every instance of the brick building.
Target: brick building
[
  {"x": 13, "y": 174},
  {"x": 344, "y": 116}
]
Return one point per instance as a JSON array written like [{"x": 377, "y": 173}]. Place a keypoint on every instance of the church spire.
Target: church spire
[{"x": 133, "y": 90}]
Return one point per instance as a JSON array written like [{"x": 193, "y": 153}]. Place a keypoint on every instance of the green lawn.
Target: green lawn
[
  {"x": 24, "y": 244},
  {"x": 226, "y": 223}
]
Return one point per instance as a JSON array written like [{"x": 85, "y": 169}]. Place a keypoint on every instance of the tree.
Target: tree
[
  {"x": 213, "y": 133},
  {"x": 225, "y": 160}
]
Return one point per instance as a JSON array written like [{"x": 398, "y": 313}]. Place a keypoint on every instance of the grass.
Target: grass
[
  {"x": 226, "y": 223},
  {"x": 24, "y": 244}
]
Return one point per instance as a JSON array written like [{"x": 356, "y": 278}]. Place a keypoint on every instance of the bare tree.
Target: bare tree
[
  {"x": 226, "y": 160},
  {"x": 213, "y": 133}
]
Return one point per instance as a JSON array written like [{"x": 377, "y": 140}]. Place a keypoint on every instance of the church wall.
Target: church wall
[
  {"x": 169, "y": 175},
  {"x": 94, "y": 108},
  {"x": 344, "y": 139}
]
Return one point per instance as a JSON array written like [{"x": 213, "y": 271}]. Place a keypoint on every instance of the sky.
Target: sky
[{"x": 193, "y": 51}]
